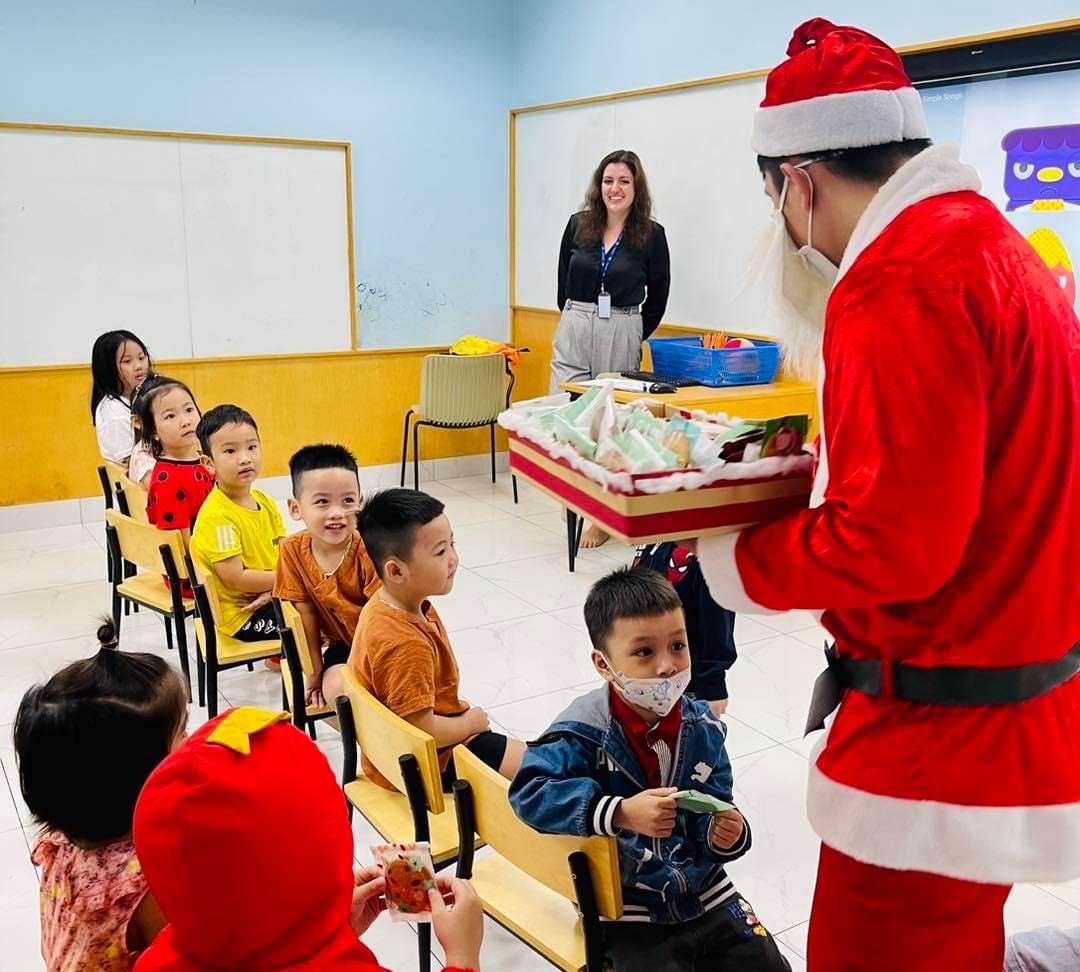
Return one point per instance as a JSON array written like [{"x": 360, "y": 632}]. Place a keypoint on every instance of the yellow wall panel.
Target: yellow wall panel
[{"x": 48, "y": 450}]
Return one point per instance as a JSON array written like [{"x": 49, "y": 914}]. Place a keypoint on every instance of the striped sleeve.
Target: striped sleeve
[{"x": 602, "y": 818}]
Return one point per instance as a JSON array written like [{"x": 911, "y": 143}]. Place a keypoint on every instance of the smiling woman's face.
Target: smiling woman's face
[{"x": 617, "y": 188}]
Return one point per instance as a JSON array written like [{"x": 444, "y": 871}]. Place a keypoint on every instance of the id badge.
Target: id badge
[{"x": 603, "y": 306}]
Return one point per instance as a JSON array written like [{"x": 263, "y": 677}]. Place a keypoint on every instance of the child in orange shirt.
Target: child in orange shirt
[
  {"x": 401, "y": 652},
  {"x": 325, "y": 570}
]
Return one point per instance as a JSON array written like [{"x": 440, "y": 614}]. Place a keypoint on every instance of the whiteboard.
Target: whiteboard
[
  {"x": 202, "y": 247},
  {"x": 706, "y": 188}
]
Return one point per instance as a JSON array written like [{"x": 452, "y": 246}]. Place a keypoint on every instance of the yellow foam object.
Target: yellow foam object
[
  {"x": 236, "y": 729},
  {"x": 471, "y": 344},
  {"x": 1050, "y": 247}
]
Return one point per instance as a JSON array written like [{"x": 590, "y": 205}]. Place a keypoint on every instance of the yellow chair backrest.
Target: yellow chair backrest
[
  {"x": 203, "y": 579},
  {"x": 385, "y": 737},
  {"x": 296, "y": 625},
  {"x": 140, "y": 543},
  {"x": 116, "y": 471},
  {"x": 459, "y": 390},
  {"x": 135, "y": 496},
  {"x": 542, "y": 856}
]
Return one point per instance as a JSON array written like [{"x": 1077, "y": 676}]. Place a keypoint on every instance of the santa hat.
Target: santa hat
[
  {"x": 840, "y": 88},
  {"x": 245, "y": 842}
]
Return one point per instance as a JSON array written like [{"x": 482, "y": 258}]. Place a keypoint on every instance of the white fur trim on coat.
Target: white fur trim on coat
[
  {"x": 991, "y": 845},
  {"x": 716, "y": 555},
  {"x": 854, "y": 119},
  {"x": 933, "y": 172}
]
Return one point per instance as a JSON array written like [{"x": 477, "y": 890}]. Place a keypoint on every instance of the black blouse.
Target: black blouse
[{"x": 635, "y": 277}]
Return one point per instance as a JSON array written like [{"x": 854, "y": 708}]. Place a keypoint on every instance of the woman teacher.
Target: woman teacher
[{"x": 614, "y": 278}]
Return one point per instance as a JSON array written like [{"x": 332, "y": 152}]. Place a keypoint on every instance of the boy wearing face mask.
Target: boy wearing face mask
[{"x": 613, "y": 763}]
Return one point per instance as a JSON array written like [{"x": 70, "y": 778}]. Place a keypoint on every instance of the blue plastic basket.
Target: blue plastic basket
[{"x": 684, "y": 357}]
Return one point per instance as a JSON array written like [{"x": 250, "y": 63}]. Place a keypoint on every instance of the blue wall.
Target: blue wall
[
  {"x": 575, "y": 48},
  {"x": 421, "y": 88}
]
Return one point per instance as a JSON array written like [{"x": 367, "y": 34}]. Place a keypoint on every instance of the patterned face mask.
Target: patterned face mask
[{"x": 658, "y": 695}]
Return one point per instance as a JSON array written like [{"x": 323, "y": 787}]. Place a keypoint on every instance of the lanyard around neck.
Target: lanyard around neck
[{"x": 606, "y": 258}]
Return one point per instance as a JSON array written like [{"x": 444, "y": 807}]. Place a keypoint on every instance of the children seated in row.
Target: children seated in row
[
  {"x": 325, "y": 570},
  {"x": 179, "y": 483},
  {"x": 236, "y": 534},
  {"x": 401, "y": 653},
  {"x": 247, "y": 847},
  {"x": 119, "y": 362},
  {"x": 86, "y": 741},
  {"x": 612, "y": 764}
]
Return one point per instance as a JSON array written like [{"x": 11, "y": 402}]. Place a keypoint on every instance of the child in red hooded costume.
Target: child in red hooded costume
[{"x": 245, "y": 841}]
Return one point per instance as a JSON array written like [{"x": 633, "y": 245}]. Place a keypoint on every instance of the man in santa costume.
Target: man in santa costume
[{"x": 943, "y": 535}]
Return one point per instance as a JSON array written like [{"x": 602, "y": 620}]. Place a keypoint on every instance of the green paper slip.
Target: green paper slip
[{"x": 695, "y": 802}]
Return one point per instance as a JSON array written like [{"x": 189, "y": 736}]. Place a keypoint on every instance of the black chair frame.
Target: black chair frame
[
  {"x": 291, "y": 651},
  {"x": 208, "y": 670},
  {"x": 414, "y": 793},
  {"x": 178, "y": 611},
  {"x": 580, "y": 875}
]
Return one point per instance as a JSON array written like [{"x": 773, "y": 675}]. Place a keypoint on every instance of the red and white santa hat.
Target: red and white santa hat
[{"x": 839, "y": 88}]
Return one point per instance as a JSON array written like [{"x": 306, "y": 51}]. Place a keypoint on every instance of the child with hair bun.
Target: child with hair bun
[{"x": 86, "y": 741}]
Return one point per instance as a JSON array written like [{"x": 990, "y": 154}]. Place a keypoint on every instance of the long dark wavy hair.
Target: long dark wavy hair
[{"x": 593, "y": 219}]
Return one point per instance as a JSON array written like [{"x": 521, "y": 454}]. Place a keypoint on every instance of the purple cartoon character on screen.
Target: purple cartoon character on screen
[{"x": 1042, "y": 167}]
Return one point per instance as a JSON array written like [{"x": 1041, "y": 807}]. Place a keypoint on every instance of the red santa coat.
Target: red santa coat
[{"x": 944, "y": 530}]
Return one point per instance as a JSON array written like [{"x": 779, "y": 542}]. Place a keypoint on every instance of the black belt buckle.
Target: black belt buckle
[{"x": 829, "y": 688}]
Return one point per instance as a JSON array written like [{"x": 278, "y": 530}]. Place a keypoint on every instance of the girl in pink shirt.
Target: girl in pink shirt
[{"x": 86, "y": 741}]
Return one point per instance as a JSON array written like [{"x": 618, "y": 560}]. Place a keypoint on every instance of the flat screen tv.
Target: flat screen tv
[{"x": 1013, "y": 107}]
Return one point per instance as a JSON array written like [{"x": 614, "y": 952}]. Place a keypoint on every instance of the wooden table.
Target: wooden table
[{"x": 784, "y": 397}]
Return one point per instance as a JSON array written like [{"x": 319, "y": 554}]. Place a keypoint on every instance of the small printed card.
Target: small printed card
[{"x": 409, "y": 874}]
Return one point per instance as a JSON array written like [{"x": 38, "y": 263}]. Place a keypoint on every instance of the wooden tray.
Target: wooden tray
[{"x": 640, "y": 517}]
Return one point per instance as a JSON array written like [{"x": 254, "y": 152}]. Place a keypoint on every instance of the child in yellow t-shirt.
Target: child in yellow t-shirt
[{"x": 238, "y": 527}]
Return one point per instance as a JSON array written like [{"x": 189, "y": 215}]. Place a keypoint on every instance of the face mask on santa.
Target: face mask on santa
[{"x": 794, "y": 284}]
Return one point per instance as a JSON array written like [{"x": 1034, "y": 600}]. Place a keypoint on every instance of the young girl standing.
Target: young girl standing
[
  {"x": 86, "y": 741},
  {"x": 119, "y": 363},
  {"x": 168, "y": 417}
]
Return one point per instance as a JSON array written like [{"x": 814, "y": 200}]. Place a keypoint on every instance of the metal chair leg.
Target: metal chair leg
[
  {"x": 493, "y": 452},
  {"x": 513, "y": 479},
  {"x": 423, "y": 932},
  {"x": 416, "y": 455},
  {"x": 573, "y": 538},
  {"x": 168, "y": 632},
  {"x": 405, "y": 446}
]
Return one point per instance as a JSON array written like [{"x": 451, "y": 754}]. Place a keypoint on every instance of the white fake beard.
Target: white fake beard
[{"x": 793, "y": 298}]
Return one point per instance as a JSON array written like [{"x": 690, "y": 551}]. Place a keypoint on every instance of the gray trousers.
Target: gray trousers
[
  {"x": 587, "y": 346},
  {"x": 1044, "y": 950}
]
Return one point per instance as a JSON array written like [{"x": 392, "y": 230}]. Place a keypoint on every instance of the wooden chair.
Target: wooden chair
[
  {"x": 107, "y": 490},
  {"x": 297, "y": 660},
  {"x": 131, "y": 498},
  {"x": 417, "y": 809},
  {"x": 529, "y": 882},
  {"x": 160, "y": 553},
  {"x": 218, "y": 651}
]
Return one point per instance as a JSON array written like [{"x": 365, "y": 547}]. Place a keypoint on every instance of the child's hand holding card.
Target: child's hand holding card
[{"x": 409, "y": 875}]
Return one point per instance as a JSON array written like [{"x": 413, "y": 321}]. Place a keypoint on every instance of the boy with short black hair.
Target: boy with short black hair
[
  {"x": 325, "y": 570},
  {"x": 401, "y": 652},
  {"x": 236, "y": 534},
  {"x": 617, "y": 763}
]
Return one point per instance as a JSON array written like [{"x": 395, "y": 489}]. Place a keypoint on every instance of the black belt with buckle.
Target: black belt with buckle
[{"x": 942, "y": 685}]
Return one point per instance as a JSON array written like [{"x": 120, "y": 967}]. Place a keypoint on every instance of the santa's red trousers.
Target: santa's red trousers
[{"x": 872, "y": 919}]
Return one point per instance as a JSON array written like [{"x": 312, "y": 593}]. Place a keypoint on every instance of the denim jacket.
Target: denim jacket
[{"x": 574, "y": 776}]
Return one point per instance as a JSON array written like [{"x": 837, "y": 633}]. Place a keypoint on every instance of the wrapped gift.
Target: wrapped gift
[{"x": 639, "y": 480}]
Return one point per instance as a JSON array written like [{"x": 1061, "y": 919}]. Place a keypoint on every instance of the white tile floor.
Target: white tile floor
[{"x": 515, "y": 617}]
